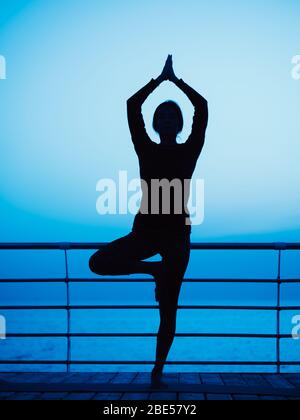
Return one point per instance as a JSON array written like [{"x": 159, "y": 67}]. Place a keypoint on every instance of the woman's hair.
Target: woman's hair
[{"x": 176, "y": 108}]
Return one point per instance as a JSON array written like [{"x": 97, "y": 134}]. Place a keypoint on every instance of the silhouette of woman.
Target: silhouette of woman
[{"x": 159, "y": 231}]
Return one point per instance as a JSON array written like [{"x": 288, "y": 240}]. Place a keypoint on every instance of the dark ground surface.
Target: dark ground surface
[{"x": 136, "y": 386}]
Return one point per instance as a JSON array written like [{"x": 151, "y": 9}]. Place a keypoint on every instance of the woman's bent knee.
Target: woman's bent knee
[
  {"x": 99, "y": 264},
  {"x": 92, "y": 264}
]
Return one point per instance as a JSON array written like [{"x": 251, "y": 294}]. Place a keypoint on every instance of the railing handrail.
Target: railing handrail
[
  {"x": 144, "y": 280},
  {"x": 194, "y": 245}
]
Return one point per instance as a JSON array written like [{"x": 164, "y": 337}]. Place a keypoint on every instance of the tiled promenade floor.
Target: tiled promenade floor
[{"x": 136, "y": 386}]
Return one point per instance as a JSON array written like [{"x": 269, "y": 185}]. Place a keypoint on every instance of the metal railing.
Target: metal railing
[{"x": 65, "y": 247}]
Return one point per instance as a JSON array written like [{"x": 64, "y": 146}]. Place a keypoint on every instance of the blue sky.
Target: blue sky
[{"x": 71, "y": 65}]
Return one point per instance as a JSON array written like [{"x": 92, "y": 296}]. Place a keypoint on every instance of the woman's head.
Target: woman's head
[{"x": 168, "y": 120}]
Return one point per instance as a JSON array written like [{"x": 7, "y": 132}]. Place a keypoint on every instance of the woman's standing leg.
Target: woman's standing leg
[{"x": 175, "y": 258}]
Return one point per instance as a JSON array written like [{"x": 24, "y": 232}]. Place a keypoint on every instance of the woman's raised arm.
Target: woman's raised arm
[
  {"x": 196, "y": 139},
  {"x": 200, "y": 119},
  {"x": 136, "y": 122},
  {"x": 134, "y": 114}
]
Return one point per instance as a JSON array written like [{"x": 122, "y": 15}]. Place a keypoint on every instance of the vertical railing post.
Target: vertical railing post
[
  {"x": 278, "y": 312},
  {"x": 68, "y": 359},
  {"x": 280, "y": 247}
]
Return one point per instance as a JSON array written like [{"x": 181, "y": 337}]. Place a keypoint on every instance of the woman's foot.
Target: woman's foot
[{"x": 156, "y": 377}]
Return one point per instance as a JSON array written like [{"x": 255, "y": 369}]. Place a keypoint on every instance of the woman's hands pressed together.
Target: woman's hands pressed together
[{"x": 168, "y": 71}]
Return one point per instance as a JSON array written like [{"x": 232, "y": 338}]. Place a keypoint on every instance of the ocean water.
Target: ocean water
[{"x": 203, "y": 264}]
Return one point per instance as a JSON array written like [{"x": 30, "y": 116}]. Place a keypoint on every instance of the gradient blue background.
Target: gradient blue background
[{"x": 71, "y": 65}]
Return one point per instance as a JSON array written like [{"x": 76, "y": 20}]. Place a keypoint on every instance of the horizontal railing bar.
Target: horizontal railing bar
[
  {"x": 180, "y": 335},
  {"x": 146, "y": 280},
  {"x": 194, "y": 245},
  {"x": 92, "y": 307},
  {"x": 139, "y": 362}
]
